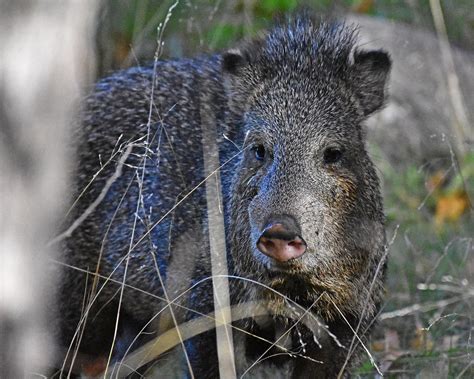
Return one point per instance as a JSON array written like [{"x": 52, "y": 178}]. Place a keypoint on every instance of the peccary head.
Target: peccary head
[{"x": 307, "y": 217}]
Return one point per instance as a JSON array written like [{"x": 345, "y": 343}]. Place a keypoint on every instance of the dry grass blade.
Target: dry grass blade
[
  {"x": 217, "y": 244},
  {"x": 78, "y": 221},
  {"x": 261, "y": 357},
  {"x": 462, "y": 127},
  {"x": 372, "y": 360},
  {"x": 190, "y": 329}
]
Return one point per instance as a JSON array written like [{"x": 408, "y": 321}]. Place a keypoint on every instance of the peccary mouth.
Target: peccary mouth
[
  {"x": 273, "y": 267},
  {"x": 294, "y": 284}
]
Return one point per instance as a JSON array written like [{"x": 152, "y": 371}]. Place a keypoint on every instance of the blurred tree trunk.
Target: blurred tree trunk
[{"x": 46, "y": 58}]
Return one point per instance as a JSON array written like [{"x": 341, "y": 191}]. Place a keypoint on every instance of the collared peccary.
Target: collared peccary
[{"x": 304, "y": 223}]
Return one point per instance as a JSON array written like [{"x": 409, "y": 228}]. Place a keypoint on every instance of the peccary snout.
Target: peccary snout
[{"x": 281, "y": 239}]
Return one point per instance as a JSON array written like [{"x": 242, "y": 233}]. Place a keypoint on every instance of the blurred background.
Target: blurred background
[{"x": 127, "y": 35}]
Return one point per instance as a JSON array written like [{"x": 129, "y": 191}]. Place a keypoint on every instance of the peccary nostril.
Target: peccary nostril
[{"x": 281, "y": 244}]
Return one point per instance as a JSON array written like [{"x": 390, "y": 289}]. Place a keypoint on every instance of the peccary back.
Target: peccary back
[{"x": 303, "y": 214}]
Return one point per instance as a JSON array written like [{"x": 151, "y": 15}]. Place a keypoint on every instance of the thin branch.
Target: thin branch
[{"x": 97, "y": 201}]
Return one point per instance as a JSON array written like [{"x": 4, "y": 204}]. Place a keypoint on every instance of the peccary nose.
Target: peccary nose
[{"x": 281, "y": 241}]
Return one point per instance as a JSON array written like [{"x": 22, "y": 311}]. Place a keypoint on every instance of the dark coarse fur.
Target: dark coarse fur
[{"x": 301, "y": 91}]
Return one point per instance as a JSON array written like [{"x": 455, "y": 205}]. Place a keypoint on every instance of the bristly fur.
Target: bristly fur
[
  {"x": 327, "y": 45},
  {"x": 297, "y": 91}
]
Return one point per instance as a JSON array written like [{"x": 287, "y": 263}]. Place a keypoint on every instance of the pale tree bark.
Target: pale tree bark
[{"x": 46, "y": 57}]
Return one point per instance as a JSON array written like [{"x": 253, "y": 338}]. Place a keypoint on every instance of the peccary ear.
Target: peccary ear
[
  {"x": 248, "y": 52},
  {"x": 239, "y": 78},
  {"x": 242, "y": 72},
  {"x": 233, "y": 60},
  {"x": 370, "y": 71}
]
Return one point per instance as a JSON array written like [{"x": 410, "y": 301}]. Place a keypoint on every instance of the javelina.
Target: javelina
[{"x": 303, "y": 212}]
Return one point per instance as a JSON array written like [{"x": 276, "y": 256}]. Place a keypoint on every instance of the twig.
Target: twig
[
  {"x": 97, "y": 201},
  {"x": 426, "y": 307}
]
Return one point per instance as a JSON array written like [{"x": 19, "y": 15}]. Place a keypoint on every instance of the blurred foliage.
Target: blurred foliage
[
  {"x": 429, "y": 243},
  {"x": 127, "y": 32},
  {"x": 418, "y": 196},
  {"x": 430, "y": 272}
]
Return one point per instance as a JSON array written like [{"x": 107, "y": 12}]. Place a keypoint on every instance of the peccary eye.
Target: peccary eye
[
  {"x": 332, "y": 155},
  {"x": 259, "y": 152}
]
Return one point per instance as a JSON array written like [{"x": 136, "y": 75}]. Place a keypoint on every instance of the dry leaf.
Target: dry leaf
[
  {"x": 422, "y": 340},
  {"x": 451, "y": 207},
  {"x": 378, "y": 346},
  {"x": 363, "y": 6},
  {"x": 435, "y": 181}
]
